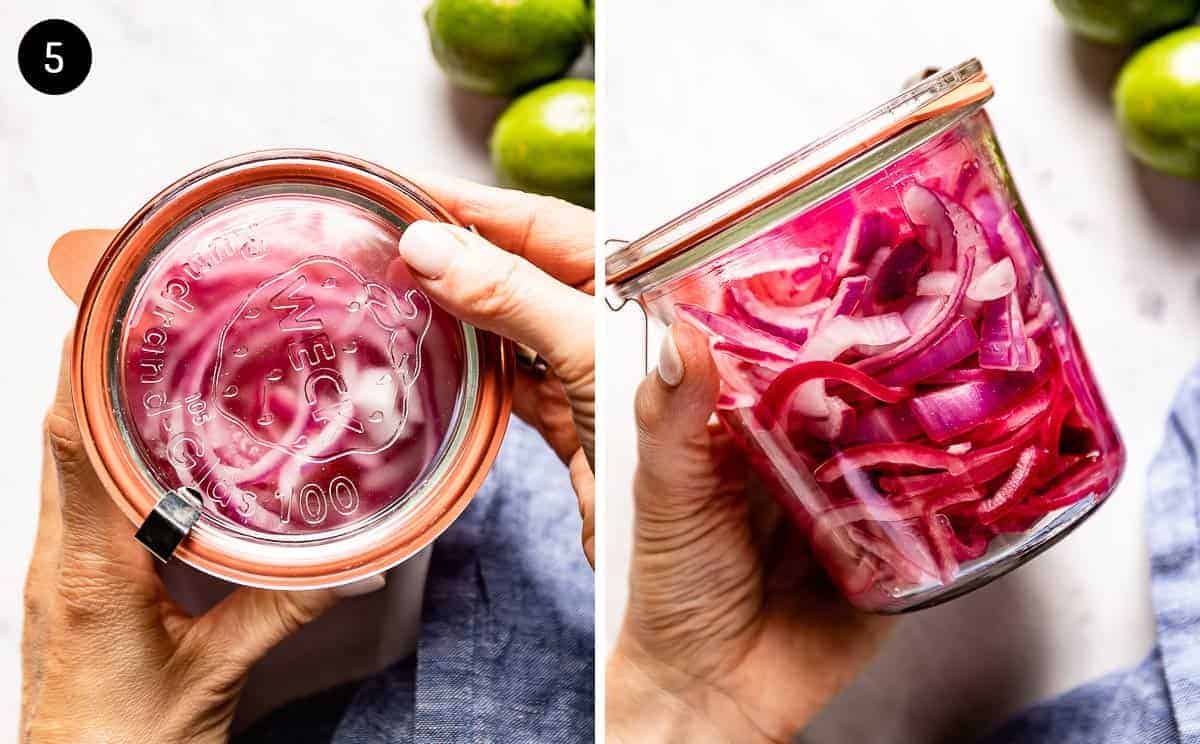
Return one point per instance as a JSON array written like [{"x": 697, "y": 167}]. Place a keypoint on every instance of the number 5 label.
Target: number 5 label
[
  {"x": 55, "y": 57},
  {"x": 54, "y": 60}
]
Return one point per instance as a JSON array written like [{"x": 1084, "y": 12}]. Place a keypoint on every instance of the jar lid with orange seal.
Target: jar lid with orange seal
[{"x": 261, "y": 385}]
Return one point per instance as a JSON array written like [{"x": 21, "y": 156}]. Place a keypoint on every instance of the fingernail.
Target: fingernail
[
  {"x": 428, "y": 248},
  {"x": 670, "y": 366},
  {"x": 362, "y": 586}
]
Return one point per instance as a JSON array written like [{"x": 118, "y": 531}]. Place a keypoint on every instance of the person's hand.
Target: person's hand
[
  {"x": 528, "y": 276},
  {"x": 107, "y": 656},
  {"x": 731, "y": 634}
]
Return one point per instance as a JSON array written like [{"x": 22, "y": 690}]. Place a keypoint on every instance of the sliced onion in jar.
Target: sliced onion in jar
[
  {"x": 995, "y": 282},
  {"x": 926, "y": 395}
]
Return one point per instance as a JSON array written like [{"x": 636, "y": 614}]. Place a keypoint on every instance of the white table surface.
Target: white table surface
[
  {"x": 699, "y": 95},
  {"x": 175, "y": 86}
]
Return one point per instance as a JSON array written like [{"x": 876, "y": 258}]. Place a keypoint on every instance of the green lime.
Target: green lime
[
  {"x": 1125, "y": 21},
  {"x": 545, "y": 141},
  {"x": 503, "y": 46},
  {"x": 1157, "y": 97}
]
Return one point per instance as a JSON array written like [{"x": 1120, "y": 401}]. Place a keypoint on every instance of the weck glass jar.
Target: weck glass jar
[
  {"x": 262, "y": 386},
  {"x": 895, "y": 359}
]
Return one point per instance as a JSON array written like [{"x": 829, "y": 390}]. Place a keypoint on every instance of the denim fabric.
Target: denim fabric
[
  {"x": 1157, "y": 702},
  {"x": 1130, "y": 707},
  {"x": 506, "y": 646}
]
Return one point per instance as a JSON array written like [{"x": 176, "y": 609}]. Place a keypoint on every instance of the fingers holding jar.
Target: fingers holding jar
[
  {"x": 719, "y": 600},
  {"x": 524, "y": 271},
  {"x": 526, "y": 275},
  {"x": 96, "y": 609},
  {"x": 502, "y": 292},
  {"x": 80, "y": 529},
  {"x": 584, "y": 482},
  {"x": 555, "y": 235}
]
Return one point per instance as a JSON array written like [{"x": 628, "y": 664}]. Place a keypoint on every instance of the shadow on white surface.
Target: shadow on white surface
[
  {"x": 1174, "y": 203},
  {"x": 1096, "y": 65},
  {"x": 473, "y": 117}
]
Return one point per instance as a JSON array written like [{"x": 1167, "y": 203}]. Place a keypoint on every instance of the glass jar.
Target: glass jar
[
  {"x": 895, "y": 360},
  {"x": 260, "y": 383}
]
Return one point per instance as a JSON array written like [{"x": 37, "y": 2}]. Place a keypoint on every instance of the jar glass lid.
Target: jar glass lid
[
  {"x": 277, "y": 357},
  {"x": 251, "y": 344}
]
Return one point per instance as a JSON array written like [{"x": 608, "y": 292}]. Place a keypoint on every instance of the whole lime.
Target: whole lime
[
  {"x": 503, "y": 46},
  {"x": 1157, "y": 98},
  {"x": 1125, "y": 21},
  {"x": 545, "y": 141}
]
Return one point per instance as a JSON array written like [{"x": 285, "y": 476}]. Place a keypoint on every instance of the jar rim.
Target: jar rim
[
  {"x": 942, "y": 97},
  {"x": 445, "y": 490}
]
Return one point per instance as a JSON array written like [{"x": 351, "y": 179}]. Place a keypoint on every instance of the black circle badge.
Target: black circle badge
[{"x": 55, "y": 57}]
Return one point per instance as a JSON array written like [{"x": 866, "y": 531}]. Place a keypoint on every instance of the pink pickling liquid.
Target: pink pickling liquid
[{"x": 278, "y": 357}]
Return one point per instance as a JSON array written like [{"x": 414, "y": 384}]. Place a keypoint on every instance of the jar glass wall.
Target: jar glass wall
[
  {"x": 897, "y": 364},
  {"x": 279, "y": 359}
]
